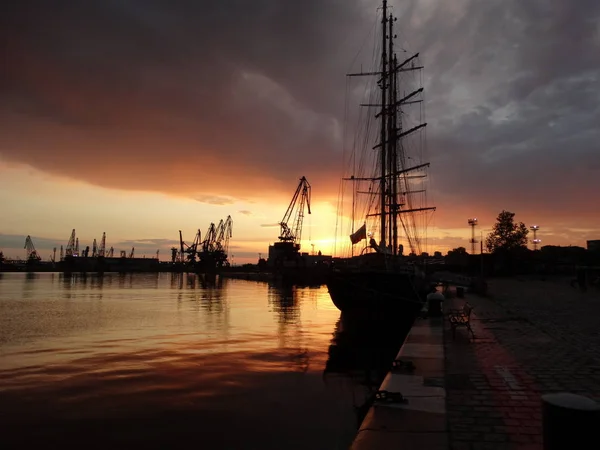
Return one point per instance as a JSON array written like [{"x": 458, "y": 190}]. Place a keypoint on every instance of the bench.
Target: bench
[{"x": 461, "y": 318}]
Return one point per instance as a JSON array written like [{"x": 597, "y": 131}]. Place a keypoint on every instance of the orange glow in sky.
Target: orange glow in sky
[{"x": 48, "y": 207}]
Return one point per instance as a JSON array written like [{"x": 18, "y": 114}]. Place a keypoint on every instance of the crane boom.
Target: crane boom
[
  {"x": 208, "y": 245},
  {"x": 102, "y": 248},
  {"x": 70, "y": 250},
  {"x": 295, "y": 210},
  {"x": 32, "y": 254},
  {"x": 224, "y": 232}
]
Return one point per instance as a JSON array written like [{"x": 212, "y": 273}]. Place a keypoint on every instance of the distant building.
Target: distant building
[
  {"x": 287, "y": 254},
  {"x": 594, "y": 246}
]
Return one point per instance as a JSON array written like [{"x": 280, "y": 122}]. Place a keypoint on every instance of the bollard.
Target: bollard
[{"x": 570, "y": 422}]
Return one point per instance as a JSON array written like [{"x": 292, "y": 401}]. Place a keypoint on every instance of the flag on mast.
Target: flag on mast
[{"x": 359, "y": 234}]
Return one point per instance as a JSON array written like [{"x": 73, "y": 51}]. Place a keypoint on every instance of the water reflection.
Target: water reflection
[
  {"x": 224, "y": 356},
  {"x": 30, "y": 276},
  {"x": 97, "y": 281},
  {"x": 125, "y": 280},
  {"x": 363, "y": 351},
  {"x": 364, "y": 348},
  {"x": 213, "y": 301},
  {"x": 176, "y": 279},
  {"x": 206, "y": 292},
  {"x": 206, "y": 297},
  {"x": 28, "y": 286},
  {"x": 68, "y": 281},
  {"x": 284, "y": 300}
]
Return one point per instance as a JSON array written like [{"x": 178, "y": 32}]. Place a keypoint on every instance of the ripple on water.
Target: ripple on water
[{"x": 139, "y": 359}]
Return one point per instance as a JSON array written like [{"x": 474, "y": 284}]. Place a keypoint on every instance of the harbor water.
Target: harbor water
[{"x": 170, "y": 360}]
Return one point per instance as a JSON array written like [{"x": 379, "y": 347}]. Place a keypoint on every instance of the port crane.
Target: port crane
[
  {"x": 224, "y": 232},
  {"x": 102, "y": 247},
  {"x": 187, "y": 252},
  {"x": 210, "y": 256},
  {"x": 286, "y": 252},
  {"x": 295, "y": 210},
  {"x": 32, "y": 254},
  {"x": 205, "y": 254},
  {"x": 218, "y": 242},
  {"x": 72, "y": 246}
]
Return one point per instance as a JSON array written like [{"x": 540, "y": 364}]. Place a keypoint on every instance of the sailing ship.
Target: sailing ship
[{"x": 388, "y": 191}]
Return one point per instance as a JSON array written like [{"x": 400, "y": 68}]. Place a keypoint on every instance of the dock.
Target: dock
[
  {"x": 531, "y": 338},
  {"x": 418, "y": 420}
]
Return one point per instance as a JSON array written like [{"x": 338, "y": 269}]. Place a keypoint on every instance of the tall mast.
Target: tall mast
[
  {"x": 395, "y": 157},
  {"x": 384, "y": 68},
  {"x": 391, "y": 138}
]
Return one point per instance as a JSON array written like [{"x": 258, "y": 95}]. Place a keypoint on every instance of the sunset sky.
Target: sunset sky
[{"x": 144, "y": 117}]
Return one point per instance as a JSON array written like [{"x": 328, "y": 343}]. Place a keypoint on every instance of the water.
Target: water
[{"x": 174, "y": 360}]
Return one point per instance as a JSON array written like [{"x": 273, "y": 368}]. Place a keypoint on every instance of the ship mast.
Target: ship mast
[
  {"x": 395, "y": 130},
  {"x": 382, "y": 83},
  {"x": 392, "y": 167},
  {"x": 391, "y": 147}
]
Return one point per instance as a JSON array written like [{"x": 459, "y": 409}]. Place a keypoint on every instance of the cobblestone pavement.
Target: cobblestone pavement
[
  {"x": 563, "y": 312},
  {"x": 529, "y": 340}
]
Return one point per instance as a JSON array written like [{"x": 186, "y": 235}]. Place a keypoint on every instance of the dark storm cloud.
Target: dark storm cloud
[
  {"x": 209, "y": 94},
  {"x": 514, "y": 106},
  {"x": 228, "y": 98}
]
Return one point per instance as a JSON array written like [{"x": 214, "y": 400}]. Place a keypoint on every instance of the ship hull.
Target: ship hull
[{"x": 368, "y": 293}]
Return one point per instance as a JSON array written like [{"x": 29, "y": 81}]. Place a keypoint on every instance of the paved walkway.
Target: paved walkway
[
  {"x": 420, "y": 421},
  {"x": 531, "y": 338}
]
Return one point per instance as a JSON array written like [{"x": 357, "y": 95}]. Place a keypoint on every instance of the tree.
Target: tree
[
  {"x": 458, "y": 257},
  {"x": 506, "y": 234},
  {"x": 457, "y": 251}
]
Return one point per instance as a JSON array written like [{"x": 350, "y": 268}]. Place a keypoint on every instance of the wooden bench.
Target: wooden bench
[{"x": 461, "y": 318}]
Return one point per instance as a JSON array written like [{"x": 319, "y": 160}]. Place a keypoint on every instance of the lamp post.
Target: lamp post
[
  {"x": 536, "y": 241},
  {"x": 472, "y": 223}
]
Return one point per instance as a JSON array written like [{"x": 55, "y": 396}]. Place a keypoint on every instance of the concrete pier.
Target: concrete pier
[
  {"x": 532, "y": 338},
  {"x": 420, "y": 420}
]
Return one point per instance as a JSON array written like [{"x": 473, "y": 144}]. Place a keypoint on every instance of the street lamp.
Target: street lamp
[
  {"x": 472, "y": 223},
  {"x": 536, "y": 241}
]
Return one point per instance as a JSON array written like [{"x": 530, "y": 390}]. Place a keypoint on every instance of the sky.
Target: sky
[{"x": 140, "y": 118}]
